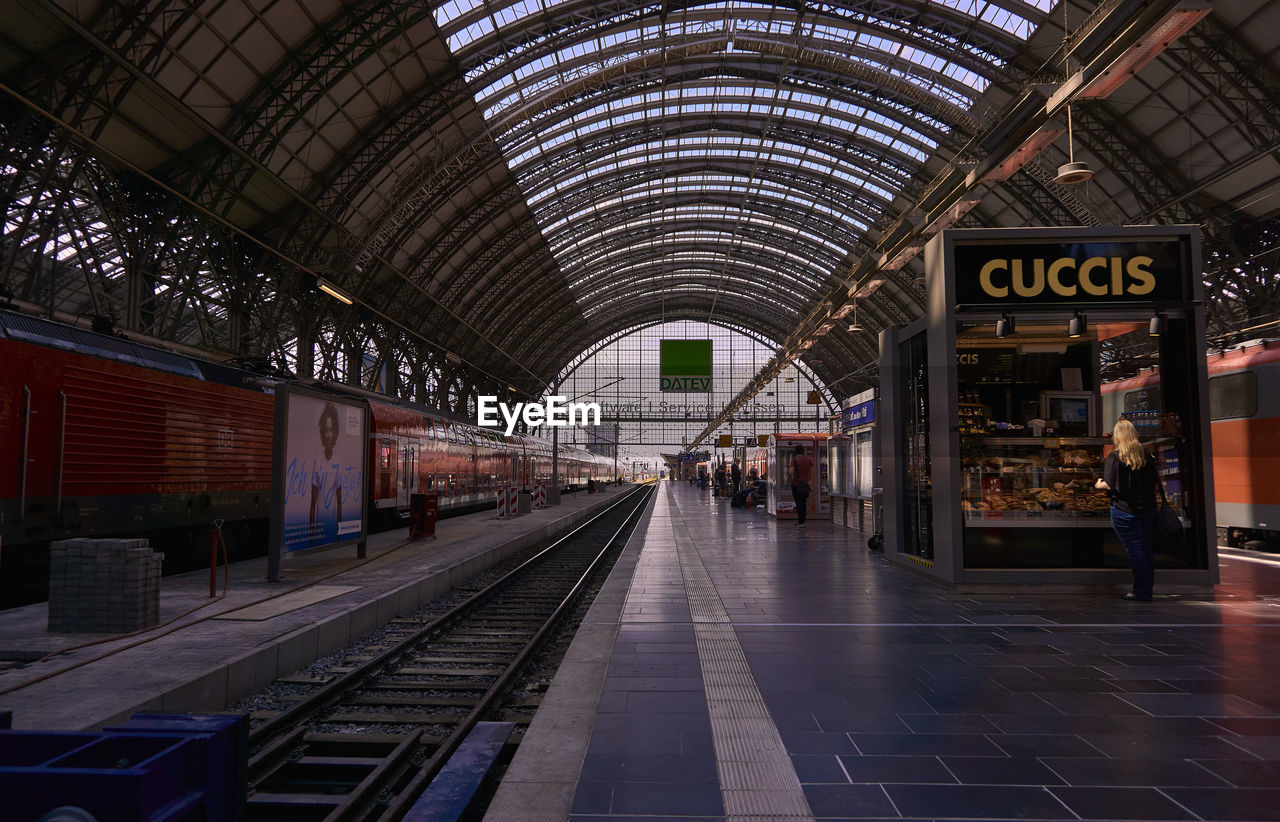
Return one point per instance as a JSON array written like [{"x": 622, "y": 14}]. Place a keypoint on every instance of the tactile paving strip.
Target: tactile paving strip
[{"x": 757, "y": 779}]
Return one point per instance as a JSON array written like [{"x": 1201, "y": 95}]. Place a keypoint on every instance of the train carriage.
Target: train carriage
[
  {"x": 417, "y": 450},
  {"x": 130, "y": 441},
  {"x": 102, "y": 437},
  {"x": 1244, "y": 414}
]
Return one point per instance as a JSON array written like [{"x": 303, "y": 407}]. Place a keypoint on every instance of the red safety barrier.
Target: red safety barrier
[
  {"x": 508, "y": 502},
  {"x": 213, "y": 563}
]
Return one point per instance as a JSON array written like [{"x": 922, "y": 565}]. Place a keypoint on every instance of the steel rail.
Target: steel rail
[
  {"x": 335, "y": 688},
  {"x": 431, "y": 767},
  {"x": 281, "y": 736}
]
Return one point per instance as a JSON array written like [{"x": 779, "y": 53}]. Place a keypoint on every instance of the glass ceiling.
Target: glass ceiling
[{"x": 673, "y": 152}]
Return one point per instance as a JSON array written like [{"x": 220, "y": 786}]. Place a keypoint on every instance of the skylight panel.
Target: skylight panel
[
  {"x": 470, "y": 34},
  {"x": 453, "y": 9},
  {"x": 584, "y": 161}
]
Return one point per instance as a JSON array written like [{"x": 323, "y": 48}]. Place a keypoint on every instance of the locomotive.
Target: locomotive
[
  {"x": 101, "y": 436},
  {"x": 1244, "y": 425}
]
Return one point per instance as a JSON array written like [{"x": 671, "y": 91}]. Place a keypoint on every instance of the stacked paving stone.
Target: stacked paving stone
[{"x": 103, "y": 585}]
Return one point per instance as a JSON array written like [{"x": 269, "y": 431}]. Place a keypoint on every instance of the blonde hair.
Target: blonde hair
[{"x": 1130, "y": 451}]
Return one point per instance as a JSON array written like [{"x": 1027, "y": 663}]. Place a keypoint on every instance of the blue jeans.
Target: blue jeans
[{"x": 1137, "y": 535}]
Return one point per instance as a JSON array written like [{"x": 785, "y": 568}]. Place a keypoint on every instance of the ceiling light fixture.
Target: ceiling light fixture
[
  {"x": 854, "y": 328},
  {"x": 1077, "y": 325},
  {"x": 1070, "y": 172},
  {"x": 333, "y": 291}
]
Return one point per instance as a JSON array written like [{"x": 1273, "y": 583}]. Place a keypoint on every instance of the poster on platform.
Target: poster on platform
[{"x": 319, "y": 454}]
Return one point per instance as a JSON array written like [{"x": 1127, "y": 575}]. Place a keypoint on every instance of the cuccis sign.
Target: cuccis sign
[{"x": 1106, "y": 272}]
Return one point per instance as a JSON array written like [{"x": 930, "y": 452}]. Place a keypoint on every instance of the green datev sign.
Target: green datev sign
[{"x": 684, "y": 365}]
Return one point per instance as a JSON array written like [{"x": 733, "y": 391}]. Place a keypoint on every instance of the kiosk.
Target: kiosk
[
  {"x": 989, "y": 420},
  {"x": 781, "y": 447},
  {"x": 853, "y": 454}
]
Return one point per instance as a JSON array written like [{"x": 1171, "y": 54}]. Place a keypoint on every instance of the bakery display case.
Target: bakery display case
[{"x": 1011, "y": 481}]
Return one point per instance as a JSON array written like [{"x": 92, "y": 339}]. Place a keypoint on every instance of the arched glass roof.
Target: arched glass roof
[
  {"x": 741, "y": 150},
  {"x": 190, "y": 172}
]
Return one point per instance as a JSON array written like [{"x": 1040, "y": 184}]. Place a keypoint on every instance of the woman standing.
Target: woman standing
[{"x": 1129, "y": 475}]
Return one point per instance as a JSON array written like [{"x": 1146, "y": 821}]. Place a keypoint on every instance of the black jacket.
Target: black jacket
[{"x": 1131, "y": 491}]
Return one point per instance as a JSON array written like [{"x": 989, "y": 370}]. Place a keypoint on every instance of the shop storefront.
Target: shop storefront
[
  {"x": 853, "y": 459},
  {"x": 995, "y": 416}
]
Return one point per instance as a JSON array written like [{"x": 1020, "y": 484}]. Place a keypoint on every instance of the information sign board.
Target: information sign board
[{"x": 684, "y": 365}]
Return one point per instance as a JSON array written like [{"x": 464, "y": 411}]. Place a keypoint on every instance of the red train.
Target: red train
[
  {"x": 101, "y": 436},
  {"x": 1244, "y": 414},
  {"x": 417, "y": 450}
]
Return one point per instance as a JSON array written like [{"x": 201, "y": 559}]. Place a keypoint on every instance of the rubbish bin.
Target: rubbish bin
[
  {"x": 524, "y": 502},
  {"x": 423, "y": 512},
  {"x": 876, "y": 541}
]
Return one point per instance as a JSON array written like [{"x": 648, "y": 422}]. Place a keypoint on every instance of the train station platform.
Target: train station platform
[
  {"x": 257, "y": 632},
  {"x": 739, "y": 668}
]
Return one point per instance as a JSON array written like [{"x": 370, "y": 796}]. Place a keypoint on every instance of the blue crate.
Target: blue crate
[{"x": 156, "y": 768}]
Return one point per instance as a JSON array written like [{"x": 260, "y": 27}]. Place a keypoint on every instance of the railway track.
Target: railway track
[{"x": 364, "y": 742}]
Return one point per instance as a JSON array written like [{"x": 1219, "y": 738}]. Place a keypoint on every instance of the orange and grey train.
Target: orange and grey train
[{"x": 1244, "y": 414}]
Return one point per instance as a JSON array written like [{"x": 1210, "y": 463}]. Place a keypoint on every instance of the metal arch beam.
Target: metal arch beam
[
  {"x": 884, "y": 164},
  {"x": 623, "y": 58},
  {"x": 952, "y": 183},
  {"x": 769, "y": 204},
  {"x": 639, "y": 325},
  {"x": 627, "y": 325},
  {"x": 310, "y": 215},
  {"x": 452, "y": 246},
  {"x": 565, "y": 344},
  {"x": 633, "y": 220},
  {"x": 321, "y": 222},
  {"x": 732, "y": 291},
  {"x": 569, "y": 345},
  {"x": 620, "y": 233},
  {"x": 505, "y": 282},
  {"x": 821, "y": 190},
  {"x": 641, "y": 274},
  {"x": 682, "y": 64},
  {"x": 567, "y": 154},
  {"x": 940, "y": 26},
  {"x": 403, "y": 130},
  {"x": 275, "y": 105},
  {"x": 158, "y": 290},
  {"x": 750, "y": 246},
  {"x": 645, "y": 251},
  {"x": 651, "y": 234},
  {"x": 575, "y": 198},
  {"x": 1241, "y": 80},
  {"x": 689, "y": 307},
  {"x": 552, "y": 329}
]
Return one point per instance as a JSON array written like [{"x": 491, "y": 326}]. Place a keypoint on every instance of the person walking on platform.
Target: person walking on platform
[
  {"x": 801, "y": 470},
  {"x": 1129, "y": 476},
  {"x": 735, "y": 471}
]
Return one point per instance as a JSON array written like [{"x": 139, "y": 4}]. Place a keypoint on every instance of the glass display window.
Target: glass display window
[{"x": 1034, "y": 413}]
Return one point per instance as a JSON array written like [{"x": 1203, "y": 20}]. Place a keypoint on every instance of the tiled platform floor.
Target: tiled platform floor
[
  {"x": 236, "y": 645},
  {"x": 751, "y": 670}
]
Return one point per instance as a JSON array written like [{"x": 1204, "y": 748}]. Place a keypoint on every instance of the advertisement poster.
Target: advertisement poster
[{"x": 323, "y": 472}]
